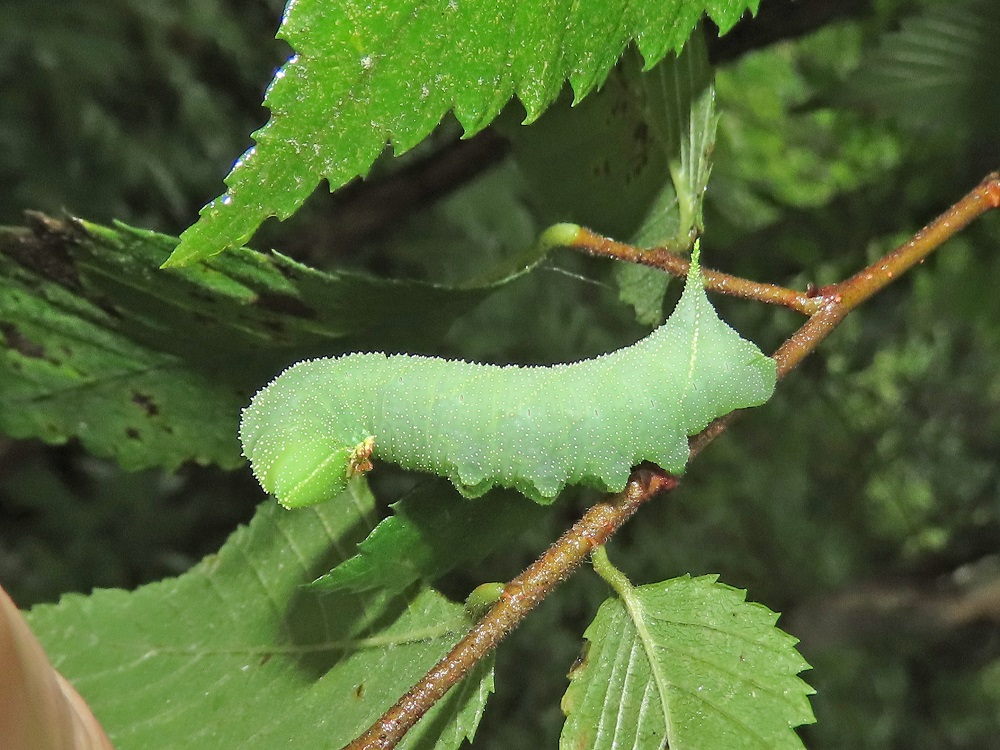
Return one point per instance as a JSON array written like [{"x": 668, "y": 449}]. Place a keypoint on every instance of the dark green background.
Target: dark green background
[{"x": 863, "y": 502}]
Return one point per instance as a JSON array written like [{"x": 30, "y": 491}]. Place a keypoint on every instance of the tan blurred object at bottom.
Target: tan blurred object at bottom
[{"x": 39, "y": 709}]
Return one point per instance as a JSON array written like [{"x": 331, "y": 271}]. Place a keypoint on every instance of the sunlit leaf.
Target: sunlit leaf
[
  {"x": 366, "y": 74},
  {"x": 236, "y": 654}
]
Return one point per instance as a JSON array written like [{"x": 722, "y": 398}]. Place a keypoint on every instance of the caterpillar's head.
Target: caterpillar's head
[
  {"x": 293, "y": 457},
  {"x": 297, "y": 472}
]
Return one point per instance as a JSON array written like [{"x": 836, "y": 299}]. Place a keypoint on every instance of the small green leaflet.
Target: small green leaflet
[
  {"x": 236, "y": 654},
  {"x": 370, "y": 74},
  {"x": 682, "y": 108},
  {"x": 686, "y": 663},
  {"x": 417, "y": 542}
]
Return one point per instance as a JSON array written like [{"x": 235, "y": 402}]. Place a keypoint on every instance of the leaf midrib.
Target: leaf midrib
[{"x": 635, "y": 610}]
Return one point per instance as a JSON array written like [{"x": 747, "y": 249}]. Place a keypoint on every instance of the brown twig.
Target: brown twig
[
  {"x": 520, "y": 596},
  {"x": 598, "y": 524},
  {"x": 675, "y": 265},
  {"x": 839, "y": 299}
]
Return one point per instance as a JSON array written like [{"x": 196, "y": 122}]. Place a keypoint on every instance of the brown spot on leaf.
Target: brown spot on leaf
[
  {"x": 146, "y": 402},
  {"x": 46, "y": 248},
  {"x": 581, "y": 660},
  {"x": 21, "y": 343},
  {"x": 132, "y": 433}
]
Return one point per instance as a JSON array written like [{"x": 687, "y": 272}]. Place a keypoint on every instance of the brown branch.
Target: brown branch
[
  {"x": 675, "y": 265},
  {"x": 601, "y": 521},
  {"x": 520, "y": 596},
  {"x": 839, "y": 299}
]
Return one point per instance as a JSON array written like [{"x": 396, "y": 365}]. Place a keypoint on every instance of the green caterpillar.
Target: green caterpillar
[{"x": 536, "y": 429}]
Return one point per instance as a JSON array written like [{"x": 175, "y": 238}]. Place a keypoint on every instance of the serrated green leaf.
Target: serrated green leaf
[
  {"x": 235, "y": 654},
  {"x": 152, "y": 367},
  {"x": 67, "y": 370},
  {"x": 418, "y": 542},
  {"x": 365, "y": 75},
  {"x": 685, "y": 663}
]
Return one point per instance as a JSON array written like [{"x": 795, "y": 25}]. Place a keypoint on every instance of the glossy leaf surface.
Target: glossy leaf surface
[{"x": 369, "y": 74}]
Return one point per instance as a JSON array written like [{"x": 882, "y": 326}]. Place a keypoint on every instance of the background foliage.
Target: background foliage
[{"x": 862, "y": 502}]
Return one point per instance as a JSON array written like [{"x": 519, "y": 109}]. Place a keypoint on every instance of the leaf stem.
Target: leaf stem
[
  {"x": 611, "y": 575},
  {"x": 826, "y": 309},
  {"x": 633, "y": 606}
]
